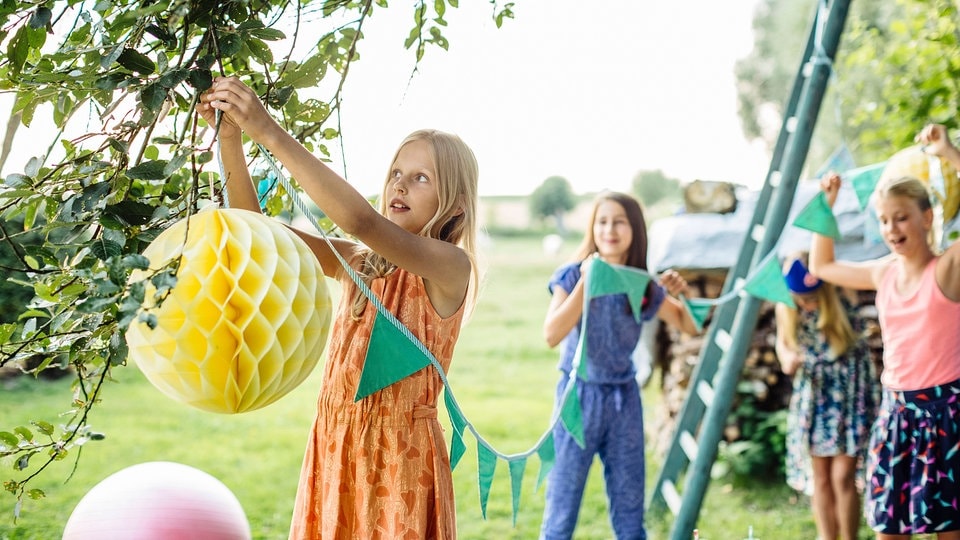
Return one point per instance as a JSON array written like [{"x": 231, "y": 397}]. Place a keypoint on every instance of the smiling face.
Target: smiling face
[
  {"x": 612, "y": 232},
  {"x": 905, "y": 227},
  {"x": 410, "y": 197}
]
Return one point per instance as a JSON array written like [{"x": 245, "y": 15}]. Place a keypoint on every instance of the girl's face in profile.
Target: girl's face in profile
[{"x": 612, "y": 232}]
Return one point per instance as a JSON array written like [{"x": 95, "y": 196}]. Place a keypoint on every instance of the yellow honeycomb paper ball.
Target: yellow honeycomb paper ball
[
  {"x": 913, "y": 161},
  {"x": 910, "y": 161},
  {"x": 247, "y": 320}
]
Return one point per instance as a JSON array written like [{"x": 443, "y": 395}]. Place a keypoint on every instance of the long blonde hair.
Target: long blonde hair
[
  {"x": 457, "y": 177},
  {"x": 832, "y": 318}
]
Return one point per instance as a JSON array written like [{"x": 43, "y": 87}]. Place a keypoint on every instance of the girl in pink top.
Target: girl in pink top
[{"x": 914, "y": 461}]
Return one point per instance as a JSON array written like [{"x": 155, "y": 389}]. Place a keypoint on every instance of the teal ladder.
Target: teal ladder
[{"x": 713, "y": 382}]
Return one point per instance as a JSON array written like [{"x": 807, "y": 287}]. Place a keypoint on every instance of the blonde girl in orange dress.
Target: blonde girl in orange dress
[{"x": 377, "y": 467}]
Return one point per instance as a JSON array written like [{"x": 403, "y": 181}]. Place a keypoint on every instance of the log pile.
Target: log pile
[{"x": 677, "y": 354}]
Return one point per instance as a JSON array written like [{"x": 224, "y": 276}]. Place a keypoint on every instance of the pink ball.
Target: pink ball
[{"x": 158, "y": 500}]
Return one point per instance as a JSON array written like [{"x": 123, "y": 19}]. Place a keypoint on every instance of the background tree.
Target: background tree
[
  {"x": 896, "y": 70},
  {"x": 652, "y": 187},
  {"x": 133, "y": 71},
  {"x": 553, "y": 198}
]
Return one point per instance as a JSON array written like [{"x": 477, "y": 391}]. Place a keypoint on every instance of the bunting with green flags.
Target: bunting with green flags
[{"x": 394, "y": 352}]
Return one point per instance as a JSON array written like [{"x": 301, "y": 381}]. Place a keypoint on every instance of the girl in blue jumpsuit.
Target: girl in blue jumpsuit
[{"x": 609, "y": 397}]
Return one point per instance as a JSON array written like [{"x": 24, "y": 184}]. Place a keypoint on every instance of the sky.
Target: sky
[
  {"x": 594, "y": 92},
  {"x": 591, "y": 91}
]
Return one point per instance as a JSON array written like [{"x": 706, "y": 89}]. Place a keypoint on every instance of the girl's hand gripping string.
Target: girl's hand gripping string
[{"x": 242, "y": 110}]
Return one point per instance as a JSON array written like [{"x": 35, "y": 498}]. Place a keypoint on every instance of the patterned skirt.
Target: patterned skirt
[{"x": 914, "y": 462}]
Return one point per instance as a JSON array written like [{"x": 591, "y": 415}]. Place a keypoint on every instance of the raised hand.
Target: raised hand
[{"x": 830, "y": 184}]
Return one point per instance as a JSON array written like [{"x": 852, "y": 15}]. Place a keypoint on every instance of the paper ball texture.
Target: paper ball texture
[
  {"x": 913, "y": 161},
  {"x": 158, "y": 500},
  {"x": 247, "y": 320}
]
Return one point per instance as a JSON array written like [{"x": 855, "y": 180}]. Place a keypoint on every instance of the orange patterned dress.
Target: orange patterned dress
[{"x": 379, "y": 468}]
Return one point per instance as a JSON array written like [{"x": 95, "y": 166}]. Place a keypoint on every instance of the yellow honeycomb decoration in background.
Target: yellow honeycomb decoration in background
[
  {"x": 912, "y": 161},
  {"x": 247, "y": 320}
]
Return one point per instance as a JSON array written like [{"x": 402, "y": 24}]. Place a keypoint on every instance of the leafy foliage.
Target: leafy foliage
[
  {"x": 759, "y": 451},
  {"x": 895, "y": 71},
  {"x": 134, "y": 71},
  {"x": 899, "y": 71}
]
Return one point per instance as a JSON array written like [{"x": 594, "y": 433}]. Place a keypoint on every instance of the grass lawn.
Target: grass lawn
[{"x": 503, "y": 377}]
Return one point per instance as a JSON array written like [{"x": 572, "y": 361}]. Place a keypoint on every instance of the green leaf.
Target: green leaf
[
  {"x": 41, "y": 18},
  {"x": 16, "y": 180},
  {"x": 260, "y": 51},
  {"x": 104, "y": 249},
  {"x": 230, "y": 44},
  {"x": 152, "y": 97},
  {"x": 308, "y": 74},
  {"x": 24, "y": 433},
  {"x": 9, "y": 439},
  {"x": 148, "y": 170},
  {"x": 136, "y": 61},
  {"x": 131, "y": 212},
  {"x": 201, "y": 79},
  {"x": 269, "y": 34},
  {"x": 110, "y": 81},
  {"x": 45, "y": 427},
  {"x": 17, "y": 50},
  {"x": 172, "y": 78}
]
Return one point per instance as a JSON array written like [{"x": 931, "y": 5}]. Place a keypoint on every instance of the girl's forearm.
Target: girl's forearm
[{"x": 238, "y": 183}]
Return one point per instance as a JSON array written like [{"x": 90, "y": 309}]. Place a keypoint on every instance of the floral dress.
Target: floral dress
[{"x": 834, "y": 401}]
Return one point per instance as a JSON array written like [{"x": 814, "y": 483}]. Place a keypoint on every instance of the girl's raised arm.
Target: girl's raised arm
[
  {"x": 936, "y": 141},
  {"x": 823, "y": 264},
  {"x": 445, "y": 265}
]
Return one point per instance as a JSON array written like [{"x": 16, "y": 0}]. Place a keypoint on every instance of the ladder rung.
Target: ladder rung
[
  {"x": 689, "y": 445},
  {"x": 774, "y": 178},
  {"x": 670, "y": 495},
  {"x": 705, "y": 391},
  {"x": 723, "y": 339},
  {"x": 757, "y": 232}
]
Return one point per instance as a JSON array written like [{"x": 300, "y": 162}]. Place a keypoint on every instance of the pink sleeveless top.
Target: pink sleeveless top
[{"x": 921, "y": 333}]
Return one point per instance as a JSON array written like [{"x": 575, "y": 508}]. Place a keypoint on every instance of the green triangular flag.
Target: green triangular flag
[
  {"x": 863, "y": 180},
  {"x": 457, "y": 448},
  {"x": 572, "y": 416},
  {"x": 698, "y": 309},
  {"x": 486, "y": 465},
  {"x": 767, "y": 282},
  {"x": 546, "y": 454},
  {"x": 604, "y": 279},
  {"x": 817, "y": 216},
  {"x": 609, "y": 279},
  {"x": 391, "y": 356},
  {"x": 516, "y": 478}
]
